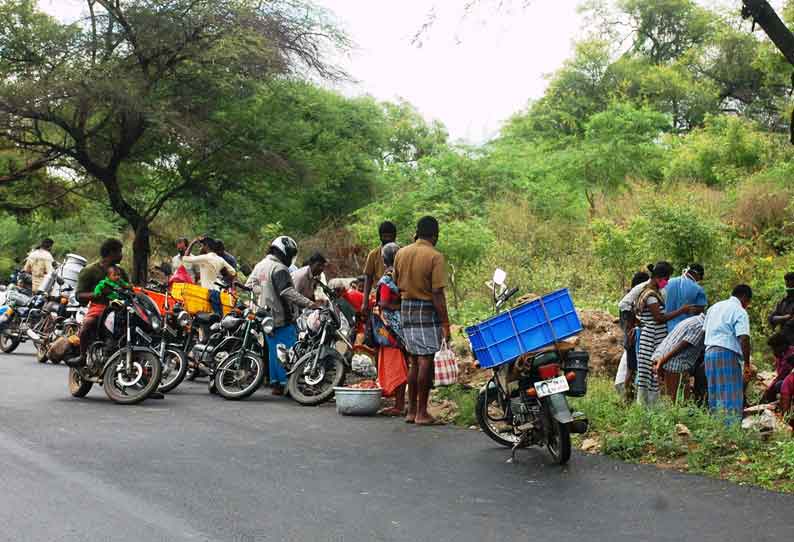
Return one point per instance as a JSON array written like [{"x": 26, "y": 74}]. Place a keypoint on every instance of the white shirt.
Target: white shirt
[
  {"x": 726, "y": 321},
  {"x": 210, "y": 266},
  {"x": 39, "y": 265},
  {"x": 630, "y": 299}
]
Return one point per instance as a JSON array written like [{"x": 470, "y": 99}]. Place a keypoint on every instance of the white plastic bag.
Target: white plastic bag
[
  {"x": 623, "y": 369},
  {"x": 446, "y": 371}
]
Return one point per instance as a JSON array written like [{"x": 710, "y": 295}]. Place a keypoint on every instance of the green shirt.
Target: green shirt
[
  {"x": 107, "y": 288},
  {"x": 90, "y": 277}
]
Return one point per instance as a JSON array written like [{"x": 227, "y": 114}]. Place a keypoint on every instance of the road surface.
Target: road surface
[{"x": 194, "y": 467}]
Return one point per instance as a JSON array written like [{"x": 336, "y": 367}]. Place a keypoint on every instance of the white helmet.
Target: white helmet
[{"x": 287, "y": 246}]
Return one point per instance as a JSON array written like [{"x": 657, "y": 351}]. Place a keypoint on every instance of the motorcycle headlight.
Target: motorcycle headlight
[
  {"x": 268, "y": 325},
  {"x": 183, "y": 319}
]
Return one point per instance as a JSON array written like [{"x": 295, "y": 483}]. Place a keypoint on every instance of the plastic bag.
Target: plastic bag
[
  {"x": 180, "y": 275},
  {"x": 446, "y": 371},
  {"x": 620, "y": 378}
]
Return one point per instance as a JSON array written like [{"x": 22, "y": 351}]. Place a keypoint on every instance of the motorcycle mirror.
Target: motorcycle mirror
[{"x": 499, "y": 277}]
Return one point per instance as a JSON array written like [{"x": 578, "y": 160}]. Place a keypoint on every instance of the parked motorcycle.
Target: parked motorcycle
[
  {"x": 524, "y": 403},
  {"x": 59, "y": 320},
  {"x": 18, "y": 317},
  {"x": 122, "y": 360},
  {"x": 314, "y": 364}
]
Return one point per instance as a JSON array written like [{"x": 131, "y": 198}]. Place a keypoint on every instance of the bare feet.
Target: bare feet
[
  {"x": 429, "y": 421},
  {"x": 278, "y": 391},
  {"x": 392, "y": 412}
]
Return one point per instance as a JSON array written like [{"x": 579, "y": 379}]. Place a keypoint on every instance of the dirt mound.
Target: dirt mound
[{"x": 603, "y": 339}]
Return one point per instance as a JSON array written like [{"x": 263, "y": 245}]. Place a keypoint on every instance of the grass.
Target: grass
[
  {"x": 713, "y": 448},
  {"x": 651, "y": 436}
]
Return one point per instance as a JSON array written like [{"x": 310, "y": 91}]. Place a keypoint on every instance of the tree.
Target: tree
[{"x": 125, "y": 99}]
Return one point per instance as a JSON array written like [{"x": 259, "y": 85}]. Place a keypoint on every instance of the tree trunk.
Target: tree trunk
[{"x": 140, "y": 254}]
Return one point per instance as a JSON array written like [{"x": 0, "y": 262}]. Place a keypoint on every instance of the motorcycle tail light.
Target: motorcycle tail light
[
  {"x": 548, "y": 371},
  {"x": 64, "y": 301},
  {"x": 532, "y": 392},
  {"x": 570, "y": 376}
]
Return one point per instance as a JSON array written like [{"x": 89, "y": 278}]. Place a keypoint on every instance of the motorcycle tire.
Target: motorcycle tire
[
  {"x": 144, "y": 381},
  {"x": 232, "y": 368},
  {"x": 78, "y": 387},
  {"x": 297, "y": 381},
  {"x": 559, "y": 444},
  {"x": 8, "y": 343},
  {"x": 485, "y": 400},
  {"x": 174, "y": 375},
  {"x": 211, "y": 387}
]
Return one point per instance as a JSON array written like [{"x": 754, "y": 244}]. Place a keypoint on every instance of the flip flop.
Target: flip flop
[{"x": 390, "y": 413}]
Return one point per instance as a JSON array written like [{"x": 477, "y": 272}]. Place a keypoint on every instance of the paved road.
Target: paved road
[{"x": 195, "y": 467}]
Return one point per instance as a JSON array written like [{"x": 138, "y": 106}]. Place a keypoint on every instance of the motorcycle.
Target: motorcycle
[
  {"x": 59, "y": 320},
  {"x": 123, "y": 359},
  {"x": 524, "y": 403},
  {"x": 314, "y": 365},
  {"x": 18, "y": 317}
]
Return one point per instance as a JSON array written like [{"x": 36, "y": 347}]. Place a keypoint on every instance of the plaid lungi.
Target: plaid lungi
[
  {"x": 725, "y": 381},
  {"x": 421, "y": 327}
]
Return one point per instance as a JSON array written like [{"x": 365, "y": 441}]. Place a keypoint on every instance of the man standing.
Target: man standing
[
  {"x": 307, "y": 277},
  {"x": 374, "y": 268},
  {"x": 685, "y": 290},
  {"x": 783, "y": 315},
  {"x": 419, "y": 270},
  {"x": 271, "y": 277},
  {"x": 39, "y": 263},
  {"x": 220, "y": 248},
  {"x": 110, "y": 256},
  {"x": 211, "y": 266},
  {"x": 727, "y": 351}
]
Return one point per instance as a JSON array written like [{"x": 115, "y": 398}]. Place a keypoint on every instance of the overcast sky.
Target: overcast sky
[{"x": 471, "y": 72}]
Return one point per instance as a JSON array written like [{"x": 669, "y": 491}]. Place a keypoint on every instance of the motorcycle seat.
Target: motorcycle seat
[
  {"x": 207, "y": 318},
  {"x": 230, "y": 322}
]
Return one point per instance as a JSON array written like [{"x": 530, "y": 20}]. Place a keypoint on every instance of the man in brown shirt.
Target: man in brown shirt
[
  {"x": 374, "y": 268},
  {"x": 419, "y": 270}
]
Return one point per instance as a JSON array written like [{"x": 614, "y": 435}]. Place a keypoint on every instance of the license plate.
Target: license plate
[{"x": 551, "y": 386}]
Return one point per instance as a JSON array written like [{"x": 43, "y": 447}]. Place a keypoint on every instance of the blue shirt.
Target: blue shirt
[
  {"x": 682, "y": 291},
  {"x": 726, "y": 321}
]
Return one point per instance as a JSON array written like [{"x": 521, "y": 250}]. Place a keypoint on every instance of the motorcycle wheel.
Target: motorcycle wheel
[
  {"x": 129, "y": 389},
  {"x": 239, "y": 376},
  {"x": 78, "y": 386},
  {"x": 9, "y": 343},
  {"x": 487, "y": 410},
  {"x": 559, "y": 444},
  {"x": 174, "y": 370},
  {"x": 308, "y": 393},
  {"x": 211, "y": 386}
]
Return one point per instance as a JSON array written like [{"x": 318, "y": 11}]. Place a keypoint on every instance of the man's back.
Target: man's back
[
  {"x": 682, "y": 291},
  {"x": 419, "y": 269},
  {"x": 725, "y": 322}
]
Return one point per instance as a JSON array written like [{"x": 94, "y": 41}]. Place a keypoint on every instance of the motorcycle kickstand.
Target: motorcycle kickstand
[{"x": 513, "y": 452}]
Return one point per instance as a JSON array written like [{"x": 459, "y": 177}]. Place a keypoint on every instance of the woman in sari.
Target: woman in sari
[
  {"x": 653, "y": 330},
  {"x": 392, "y": 369}
]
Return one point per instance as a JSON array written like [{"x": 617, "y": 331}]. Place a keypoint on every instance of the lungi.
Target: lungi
[
  {"x": 725, "y": 382},
  {"x": 421, "y": 327}
]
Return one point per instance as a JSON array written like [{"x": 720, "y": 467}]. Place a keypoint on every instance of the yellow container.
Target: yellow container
[{"x": 197, "y": 299}]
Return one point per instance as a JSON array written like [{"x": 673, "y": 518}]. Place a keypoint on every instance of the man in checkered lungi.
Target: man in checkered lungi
[
  {"x": 420, "y": 273},
  {"x": 727, "y": 350}
]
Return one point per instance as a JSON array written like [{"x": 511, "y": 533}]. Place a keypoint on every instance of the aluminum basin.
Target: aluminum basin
[{"x": 355, "y": 402}]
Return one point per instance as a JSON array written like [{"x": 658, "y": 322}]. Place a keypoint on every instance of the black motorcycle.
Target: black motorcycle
[
  {"x": 524, "y": 403},
  {"x": 123, "y": 359},
  {"x": 314, "y": 364},
  {"x": 21, "y": 313}
]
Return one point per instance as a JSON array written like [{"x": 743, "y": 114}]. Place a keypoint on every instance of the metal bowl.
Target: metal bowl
[{"x": 355, "y": 402}]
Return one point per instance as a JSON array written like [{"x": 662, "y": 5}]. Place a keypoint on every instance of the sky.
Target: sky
[{"x": 471, "y": 72}]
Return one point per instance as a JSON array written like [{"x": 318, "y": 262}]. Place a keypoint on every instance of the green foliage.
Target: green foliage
[{"x": 465, "y": 399}]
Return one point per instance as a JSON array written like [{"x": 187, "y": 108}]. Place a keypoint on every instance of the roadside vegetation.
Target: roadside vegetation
[{"x": 672, "y": 145}]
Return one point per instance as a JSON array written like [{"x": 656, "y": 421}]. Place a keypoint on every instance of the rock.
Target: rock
[
  {"x": 766, "y": 421},
  {"x": 591, "y": 445},
  {"x": 682, "y": 430},
  {"x": 766, "y": 377}
]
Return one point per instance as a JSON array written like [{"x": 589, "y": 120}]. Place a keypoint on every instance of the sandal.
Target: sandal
[{"x": 391, "y": 413}]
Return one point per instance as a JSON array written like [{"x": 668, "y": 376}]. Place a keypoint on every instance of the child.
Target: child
[
  {"x": 783, "y": 383},
  {"x": 108, "y": 286}
]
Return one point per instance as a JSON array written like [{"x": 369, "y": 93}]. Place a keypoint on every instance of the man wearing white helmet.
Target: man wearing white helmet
[{"x": 272, "y": 280}]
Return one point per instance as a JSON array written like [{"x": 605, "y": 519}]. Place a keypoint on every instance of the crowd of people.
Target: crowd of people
[
  {"x": 398, "y": 302},
  {"x": 678, "y": 345}
]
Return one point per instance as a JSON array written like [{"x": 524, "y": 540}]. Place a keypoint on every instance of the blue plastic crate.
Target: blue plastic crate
[{"x": 523, "y": 329}]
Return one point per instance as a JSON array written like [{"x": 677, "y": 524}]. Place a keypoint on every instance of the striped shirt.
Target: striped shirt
[{"x": 693, "y": 333}]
